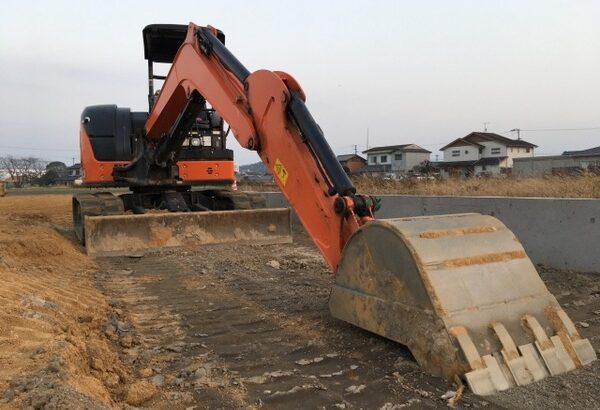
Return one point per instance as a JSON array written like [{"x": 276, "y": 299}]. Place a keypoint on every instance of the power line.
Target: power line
[{"x": 559, "y": 129}]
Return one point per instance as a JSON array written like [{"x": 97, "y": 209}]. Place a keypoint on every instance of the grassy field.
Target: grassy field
[{"x": 582, "y": 186}]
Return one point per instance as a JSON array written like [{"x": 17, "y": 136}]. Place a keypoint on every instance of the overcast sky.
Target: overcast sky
[{"x": 421, "y": 72}]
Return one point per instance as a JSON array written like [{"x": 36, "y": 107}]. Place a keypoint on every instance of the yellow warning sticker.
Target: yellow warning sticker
[{"x": 280, "y": 171}]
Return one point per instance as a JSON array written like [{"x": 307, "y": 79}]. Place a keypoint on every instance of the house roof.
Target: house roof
[
  {"x": 455, "y": 164},
  {"x": 583, "y": 153},
  {"x": 475, "y": 137},
  {"x": 393, "y": 148},
  {"x": 463, "y": 164},
  {"x": 375, "y": 168},
  {"x": 461, "y": 142},
  {"x": 346, "y": 157},
  {"x": 489, "y": 161}
]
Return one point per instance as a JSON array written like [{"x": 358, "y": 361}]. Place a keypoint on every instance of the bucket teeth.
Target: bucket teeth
[
  {"x": 581, "y": 350},
  {"x": 551, "y": 349},
  {"x": 529, "y": 362},
  {"x": 523, "y": 369}
]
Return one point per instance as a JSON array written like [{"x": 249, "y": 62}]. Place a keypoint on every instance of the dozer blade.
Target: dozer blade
[
  {"x": 460, "y": 292},
  {"x": 118, "y": 235}
]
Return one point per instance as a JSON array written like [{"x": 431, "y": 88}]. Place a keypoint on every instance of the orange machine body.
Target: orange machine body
[{"x": 191, "y": 172}]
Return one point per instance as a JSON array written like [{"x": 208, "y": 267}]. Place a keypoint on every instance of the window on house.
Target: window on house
[
  {"x": 528, "y": 150},
  {"x": 495, "y": 151},
  {"x": 466, "y": 151},
  {"x": 383, "y": 158},
  {"x": 512, "y": 149},
  {"x": 456, "y": 153},
  {"x": 398, "y": 157},
  {"x": 484, "y": 168},
  {"x": 373, "y": 160}
]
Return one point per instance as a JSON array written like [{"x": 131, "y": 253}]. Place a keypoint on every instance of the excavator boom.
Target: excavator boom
[
  {"x": 267, "y": 114},
  {"x": 458, "y": 290}
]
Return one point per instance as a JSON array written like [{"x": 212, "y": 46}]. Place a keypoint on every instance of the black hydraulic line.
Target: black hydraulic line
[
  {"x": 171, "y": 145},
  {"x": 211, "y": 44},
  {"x": 317, "y": 142}
]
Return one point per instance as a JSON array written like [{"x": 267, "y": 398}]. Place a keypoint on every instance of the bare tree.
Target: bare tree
[
  {"x": 11, "y": 165},
  {"x": 23, "y": 170},
  {"x": 35, "y": 168}
]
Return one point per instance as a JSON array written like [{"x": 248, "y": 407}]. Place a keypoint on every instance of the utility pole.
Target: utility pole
[
  {"x": 355, "y": 149},
  {"x": 367, "y": 137},
  {"x": 485, "y": 124},
  {"x": 518, "y": 130}
]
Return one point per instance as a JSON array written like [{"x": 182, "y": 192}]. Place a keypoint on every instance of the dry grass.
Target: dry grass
[{"x": 581, "y": 186}]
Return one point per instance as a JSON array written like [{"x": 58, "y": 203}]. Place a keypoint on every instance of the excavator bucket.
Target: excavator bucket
[
  {"x": 461, "y": 293},
  {"x": 118, "y": 235}
]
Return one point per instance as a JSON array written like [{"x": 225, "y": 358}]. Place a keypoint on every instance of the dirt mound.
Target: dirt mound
[{"x": 53, "y": 350}]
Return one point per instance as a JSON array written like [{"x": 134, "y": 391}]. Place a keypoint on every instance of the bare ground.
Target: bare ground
[{"x": 218, "y": 327}]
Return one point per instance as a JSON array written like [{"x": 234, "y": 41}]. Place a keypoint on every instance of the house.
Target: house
[
  {"x": 483, "y": 153},
  {"x": 587, "y": 158},
  {"x": 567, "y": 163},
  {"x": 394, "y": 159},
  {"x": 351, "y": 163},
  {"x": 69, "y": 175}
]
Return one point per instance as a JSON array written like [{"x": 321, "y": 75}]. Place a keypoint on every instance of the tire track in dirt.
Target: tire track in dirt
[
  {"x": 240, "y": 327},
  {"x": 266, "y": 333}
]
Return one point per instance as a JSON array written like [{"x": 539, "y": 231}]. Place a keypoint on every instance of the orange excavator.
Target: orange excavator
[{"x": 458, "y": 290}]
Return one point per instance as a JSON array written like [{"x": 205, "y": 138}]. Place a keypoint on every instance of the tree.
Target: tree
[
  {"x": 49, "y": 178},
  {"x": 54, "y": 171},
  {"x": 59, "y": 167},
  {"x": 425, "y": 168},
  {"x": 11, "y": 165},
  {"x": 23, "y": 170}
]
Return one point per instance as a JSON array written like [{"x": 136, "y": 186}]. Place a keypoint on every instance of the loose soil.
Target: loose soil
[{"x": 215, "y": 327}]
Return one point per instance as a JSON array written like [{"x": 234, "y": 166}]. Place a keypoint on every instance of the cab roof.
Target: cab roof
[{"x": 162, "y": 41}]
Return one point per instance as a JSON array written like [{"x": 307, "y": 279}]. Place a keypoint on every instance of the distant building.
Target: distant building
[
  {"x": 567, "y": 163},
  {"x": 394, "y": 159},
  {"x": 482, "y": 153},
  {"x": 254, "y": 172},
  {"x": 69, "y": 176},
  {"x": 352, "y": 163}
]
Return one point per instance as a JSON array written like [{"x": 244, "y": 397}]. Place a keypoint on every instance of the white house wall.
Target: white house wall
[
  {"x": 407, "y": 163},
  {"x": 466, "y": 153},
  {"x": 412, "y": 159},
  {"x": 517, "y": 152},
  {"x": 489, "y": 145}
]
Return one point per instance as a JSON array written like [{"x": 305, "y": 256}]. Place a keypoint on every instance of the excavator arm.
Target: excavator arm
[{"x": 267, "y": 113}]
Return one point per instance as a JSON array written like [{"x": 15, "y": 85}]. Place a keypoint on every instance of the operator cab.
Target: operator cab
[{"x": 206, "y": 139}]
